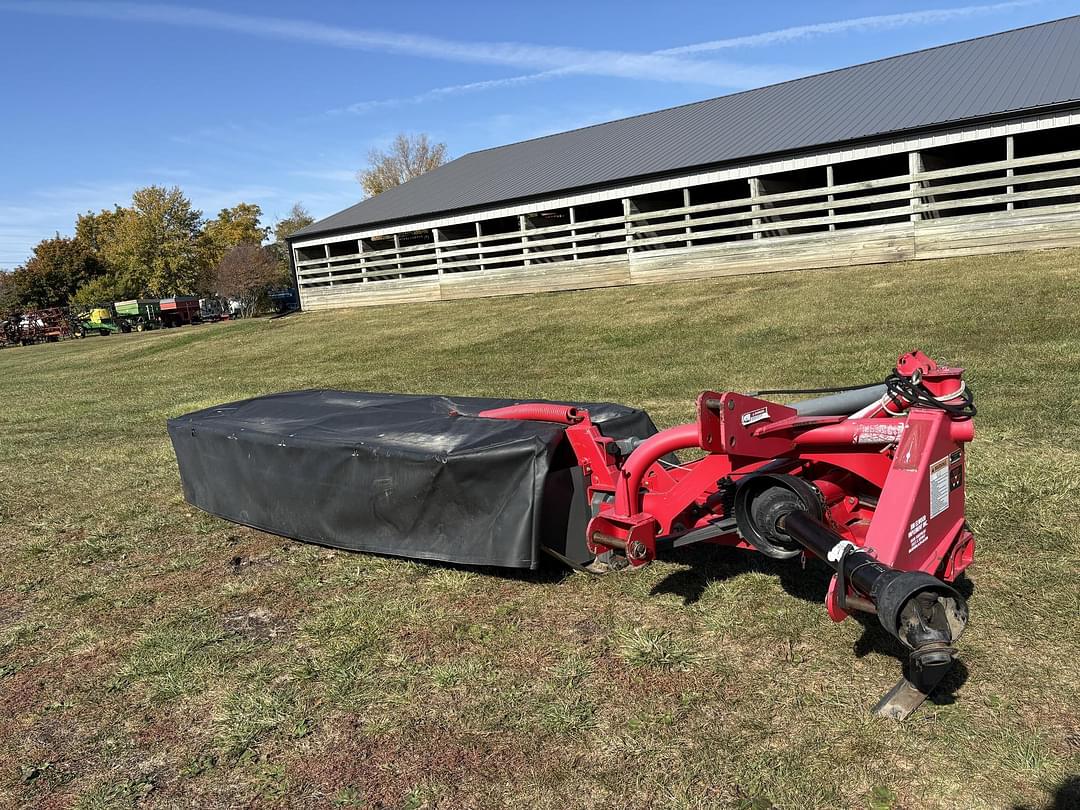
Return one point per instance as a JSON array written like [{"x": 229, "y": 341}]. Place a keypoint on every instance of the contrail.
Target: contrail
[
  {"x": 612, "y": 63},
  {"x": 876, "y": 22}
]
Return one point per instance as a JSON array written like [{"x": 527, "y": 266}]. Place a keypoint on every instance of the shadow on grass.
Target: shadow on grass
[
  {"x": 548, "y": 572},
  {"x": 1066, "y": 796},
  {"x": 809, "y": 583},
  {"x": 710, "y": 563},
  {"x": 707, "y": 564}
]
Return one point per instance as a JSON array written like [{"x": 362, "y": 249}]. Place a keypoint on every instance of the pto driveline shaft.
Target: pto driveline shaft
[
  {"x": 920, "y": 610},
  {"x": 863, "y": 570}
]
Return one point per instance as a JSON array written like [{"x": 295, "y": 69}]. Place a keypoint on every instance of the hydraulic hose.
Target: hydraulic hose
[{"x": 536, "y": 412}]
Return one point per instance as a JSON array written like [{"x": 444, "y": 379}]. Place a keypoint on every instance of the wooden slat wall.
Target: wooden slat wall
[
  {"x": 887, "y": 243},
  {"x": 915, "y": 215},
  {"x": 1020, "y": 230}
]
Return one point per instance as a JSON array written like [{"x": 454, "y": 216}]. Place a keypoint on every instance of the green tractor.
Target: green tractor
[{"x": 98, "y": 321}]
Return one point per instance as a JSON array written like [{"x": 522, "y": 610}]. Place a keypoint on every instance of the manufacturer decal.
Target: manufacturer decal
[
  {"x": 750, "y": 417},
  {"x": 916, "y": 533},
  {"x": 880, "y": 434},
  {"x": 939, "y": 486}
]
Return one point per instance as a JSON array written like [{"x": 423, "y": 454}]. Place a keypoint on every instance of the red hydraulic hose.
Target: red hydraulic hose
[{"x": 536, "y": 412}]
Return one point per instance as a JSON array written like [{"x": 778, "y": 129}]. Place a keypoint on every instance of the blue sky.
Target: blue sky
[{"x": 276, "y": 103}]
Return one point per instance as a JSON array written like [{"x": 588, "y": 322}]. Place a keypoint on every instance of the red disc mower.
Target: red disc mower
[{"x": 869, "y": 479}]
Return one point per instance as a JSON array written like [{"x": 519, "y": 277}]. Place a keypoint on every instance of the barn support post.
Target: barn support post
[
  {"x": 1010, "y": 155},
  {"x": 523, "y": 224},
  {"x": 686, "y": 217},
  {"x": 435, "y": 236},
  {"x": 294, "y": 257},
  {"x": 397, "y": 252},
  {"x": 479, "y": 244},
  {"x": 329, "y": 274},
  {"x": 756, "y": 187},
  {"x": 628, "y": 208},
  {"x": 573, "y": 233},
  {"x": 915, "y": 166},
  {"x": 829, "y": 183}
]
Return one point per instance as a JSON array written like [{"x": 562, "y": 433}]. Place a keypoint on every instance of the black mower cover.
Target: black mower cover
[{"x": 414, "y": 476}]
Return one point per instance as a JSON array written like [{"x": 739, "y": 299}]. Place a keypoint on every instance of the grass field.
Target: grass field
[{"x": 153, "y": 656}]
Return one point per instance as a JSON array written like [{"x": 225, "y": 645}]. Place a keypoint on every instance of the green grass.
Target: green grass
[{"x": 154, "y": 656}]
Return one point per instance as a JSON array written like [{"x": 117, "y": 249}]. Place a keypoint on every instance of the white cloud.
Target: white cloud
[
  {"x": 733, "y": 81},
  {"x": 620, "y": 64},
  {"x": 872, "y": 23},
  {"x": 437, "y": 93}
]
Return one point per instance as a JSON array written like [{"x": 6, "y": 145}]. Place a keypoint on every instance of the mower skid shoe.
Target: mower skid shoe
[
  {"x": 900, "y": 701},
  {"x": 905, "y": 697}
]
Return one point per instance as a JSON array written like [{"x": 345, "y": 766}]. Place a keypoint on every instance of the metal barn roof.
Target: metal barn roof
[{"x": 1023, "y": 69}]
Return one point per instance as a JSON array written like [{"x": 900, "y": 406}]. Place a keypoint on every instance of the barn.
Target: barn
[{"x": 972, "y": 147}]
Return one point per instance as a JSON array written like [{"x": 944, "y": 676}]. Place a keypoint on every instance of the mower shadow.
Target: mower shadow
[
  {"x": 1066, "y": 796},
  {"x": 712, "y": 563},
  {"x": 707, "y": 564}
]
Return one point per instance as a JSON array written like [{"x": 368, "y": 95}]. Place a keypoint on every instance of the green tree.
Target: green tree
[
  {"x": 8, "y": 294},
  {"x": 97, "y": 231},
  {"x": 157, "y": 246},
  {"x": 57, "y": 268},
  {"x": 409, "y": 156},
  {"x": 234, "y": 226},
  {"x": 101, "y": 291},
  {"x": 297, "y": 218}
]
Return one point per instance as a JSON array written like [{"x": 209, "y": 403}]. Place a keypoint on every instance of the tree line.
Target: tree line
[{"x": 158, "y": 246}]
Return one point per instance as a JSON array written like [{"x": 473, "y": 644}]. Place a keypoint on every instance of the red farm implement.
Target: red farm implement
[
  {"x": 36, "y": 326},
  {"x": 868, "y": 479}
]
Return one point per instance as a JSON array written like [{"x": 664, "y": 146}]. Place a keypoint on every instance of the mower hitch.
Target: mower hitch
[
  {"x": 918, "y": 610},
  {"x": 871, "y": 482}
]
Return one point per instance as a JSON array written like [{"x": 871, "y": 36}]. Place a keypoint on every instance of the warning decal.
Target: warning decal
[
  {"x": 939, "y": 487},
  {"x": 916, "y": 533}
]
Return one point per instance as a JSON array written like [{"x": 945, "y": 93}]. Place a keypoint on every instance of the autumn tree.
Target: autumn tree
[
  {"x": 409, "y": 156},
  {"x": 96, "y": 231},
  {"x": 234, "y": 226},
  {"x": 9, "y": 298},
  {"x": 297, "y": 218},
  {"x": 57, "y": 268},
  {"x": 245, "y": 273},
  {"x": 157, "y": 248},
  {"x": 100, "y": 291}
]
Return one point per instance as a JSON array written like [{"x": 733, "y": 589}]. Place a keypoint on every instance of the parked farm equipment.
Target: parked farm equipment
[
  {"x": 869, "y": 480},
  {"x": 37, "y": 326},
  {"x": 9, "y": 332},
  {"x": 138, "y": 314},
  {"x": 179, "y": 310},
  {"x": 100, "y": 321}
]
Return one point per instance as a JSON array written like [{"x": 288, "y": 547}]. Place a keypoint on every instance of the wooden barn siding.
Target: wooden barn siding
[
  {"x": 927, "y": 239},
  {"x": 987, "y": 200}
]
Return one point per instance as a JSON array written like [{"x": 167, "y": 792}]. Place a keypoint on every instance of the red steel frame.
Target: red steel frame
[{"x": 874, "y": 471}]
